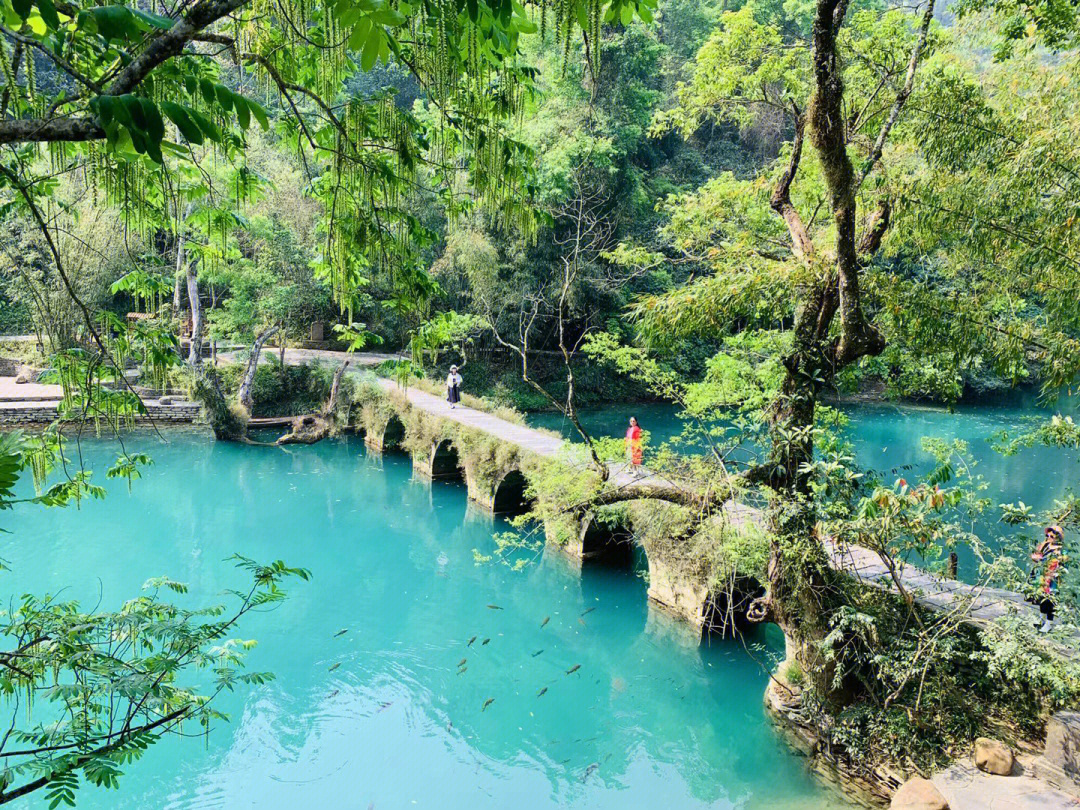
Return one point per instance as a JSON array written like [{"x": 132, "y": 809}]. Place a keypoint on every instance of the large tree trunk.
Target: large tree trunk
[
  {"x": 195, "y": 351},
  {"x": 335, "y": 389},
  {"x": 801, "y": 583},
  {"x": 314, "y": 427},
  {"x": 244, "y": 394},
  {"x": 178, "y": 294},
  {"x": 224, "y": 421},
  {"x": 181, "y": 257}
]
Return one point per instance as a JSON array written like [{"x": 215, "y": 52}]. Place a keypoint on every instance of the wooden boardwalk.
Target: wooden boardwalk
[{"x": 979, "y": 605}]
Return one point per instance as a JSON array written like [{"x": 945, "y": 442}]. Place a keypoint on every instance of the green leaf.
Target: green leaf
[
  {"x": 12, "y": 19},
  {"x": 130, "y": 112},
  {"x": 371, "y": 50},
  {"x": 184, "y": 122},
  {"x": 208, "y": 127},
  {"x": 48, "y": 13},
  {"x": 359, "y": 34},
  {"x": 155, "y": 126},
  {"x": 243, "y": 113},
  {"x": 224, "y": 97},
  {"x": 206, "y": 87},
  {"x": 259, "y": 113},
  {"x": 115, "y": 22},
  {"x": 22, "y": 7},
  {"x": 388, "y": 16}
]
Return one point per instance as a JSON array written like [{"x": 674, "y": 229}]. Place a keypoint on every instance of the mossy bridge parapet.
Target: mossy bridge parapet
[{"x": 498, "y": 458}]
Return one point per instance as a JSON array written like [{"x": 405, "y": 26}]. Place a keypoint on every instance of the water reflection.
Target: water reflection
[{"x": 381, "y": 715}]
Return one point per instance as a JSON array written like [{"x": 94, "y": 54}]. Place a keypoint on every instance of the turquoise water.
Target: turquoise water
[
  {"x": 666, "y": 723},
  {"x": 887, "y": 439}
]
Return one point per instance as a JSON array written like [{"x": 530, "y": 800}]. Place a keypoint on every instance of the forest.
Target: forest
[{"x": 760, "y": 216}]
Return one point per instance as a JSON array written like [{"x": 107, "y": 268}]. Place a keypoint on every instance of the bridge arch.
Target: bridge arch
[
  {"x": 441, "y": 462},
  {"x": 389, "y": 437},
  {"x": 509, "y": 495},
  {"x": 607, "y": 540}
]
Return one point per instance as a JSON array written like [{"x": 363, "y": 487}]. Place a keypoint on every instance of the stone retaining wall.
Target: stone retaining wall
[{"x": 43, "y": 413}]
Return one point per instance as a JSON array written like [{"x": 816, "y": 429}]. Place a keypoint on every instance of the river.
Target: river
[
  {"x": 887, "y": 440},
  {"x": 379, "y": 716}
]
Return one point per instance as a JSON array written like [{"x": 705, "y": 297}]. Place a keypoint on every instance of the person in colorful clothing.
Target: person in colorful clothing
[
  {"x": 633, "y": 446},
  {"x": 1049, "y": 558}
]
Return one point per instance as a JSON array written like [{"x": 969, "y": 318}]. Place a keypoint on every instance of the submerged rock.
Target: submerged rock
[
  {"x": 918, "y": 794},
  {"x": 993, "y": 756}
]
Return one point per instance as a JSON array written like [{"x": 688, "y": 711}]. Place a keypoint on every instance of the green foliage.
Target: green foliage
[{"x": 103, "y": 686}]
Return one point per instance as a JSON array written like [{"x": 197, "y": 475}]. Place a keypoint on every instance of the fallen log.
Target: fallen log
[{"x": 315, "y": 427}]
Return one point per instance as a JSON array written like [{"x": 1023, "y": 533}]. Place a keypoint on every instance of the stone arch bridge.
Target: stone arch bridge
[{"x": 496, "y": 480}]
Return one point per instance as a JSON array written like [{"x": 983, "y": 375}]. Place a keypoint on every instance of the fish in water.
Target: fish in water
[
  {"x": 587, "y": 612},
  {"x": 341, "y": 632},
  {"x": 461, "y": 663},
  {"x": 484, "y": 642},
  {"x": 581, "y": 621},
  {"x": 385, "y": 705},
  {"x": 536, "y": 653},
  {"x": 545, "y": 621},
  {"x": 462, "y": 671},
  {"x": 541, "y": 692},
  {"x": 573, "y": 669},
  {"x": 494, "y": 607},
  {"x": 487, "y": 703},
  {"x": 334, "y": 666},
  {"x": 471, "y": 640},
  {"x": 334, "y": 693},
  {"x": 589, "y": 771}
]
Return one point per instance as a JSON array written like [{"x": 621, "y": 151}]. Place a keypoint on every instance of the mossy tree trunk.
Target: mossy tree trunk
[
  {"x": 243, "y": 396},
  {"x": 831, "y": 331}
]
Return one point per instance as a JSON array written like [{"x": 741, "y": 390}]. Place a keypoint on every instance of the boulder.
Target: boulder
[
  {"x": 166, "y": 400},
  {"x": 993, "y": 756},
  {"x": 918, "y": 794},
  {"x": 28, "y": 374}
]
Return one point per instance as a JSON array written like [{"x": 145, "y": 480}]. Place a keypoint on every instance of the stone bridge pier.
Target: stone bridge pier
[
  {"x": 502, "y": 493},
  {"x": 586, "y": 539},
  {"x": 440, "y": 463},
  {"x": 382, "y": 435}
]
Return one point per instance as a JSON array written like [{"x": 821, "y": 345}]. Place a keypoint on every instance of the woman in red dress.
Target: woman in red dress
[{"x": 633, "y": 445}]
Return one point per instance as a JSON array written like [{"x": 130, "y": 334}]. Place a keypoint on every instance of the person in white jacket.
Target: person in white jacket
[{"x": 453, "y": 387}]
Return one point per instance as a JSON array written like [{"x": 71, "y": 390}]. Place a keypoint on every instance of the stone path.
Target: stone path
[
  {"x": 967, "y": 788},
  {"x": 28, "y": 392},
  {"x": 964, "y": 786},
  {"x": 298, "y": 357}
]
